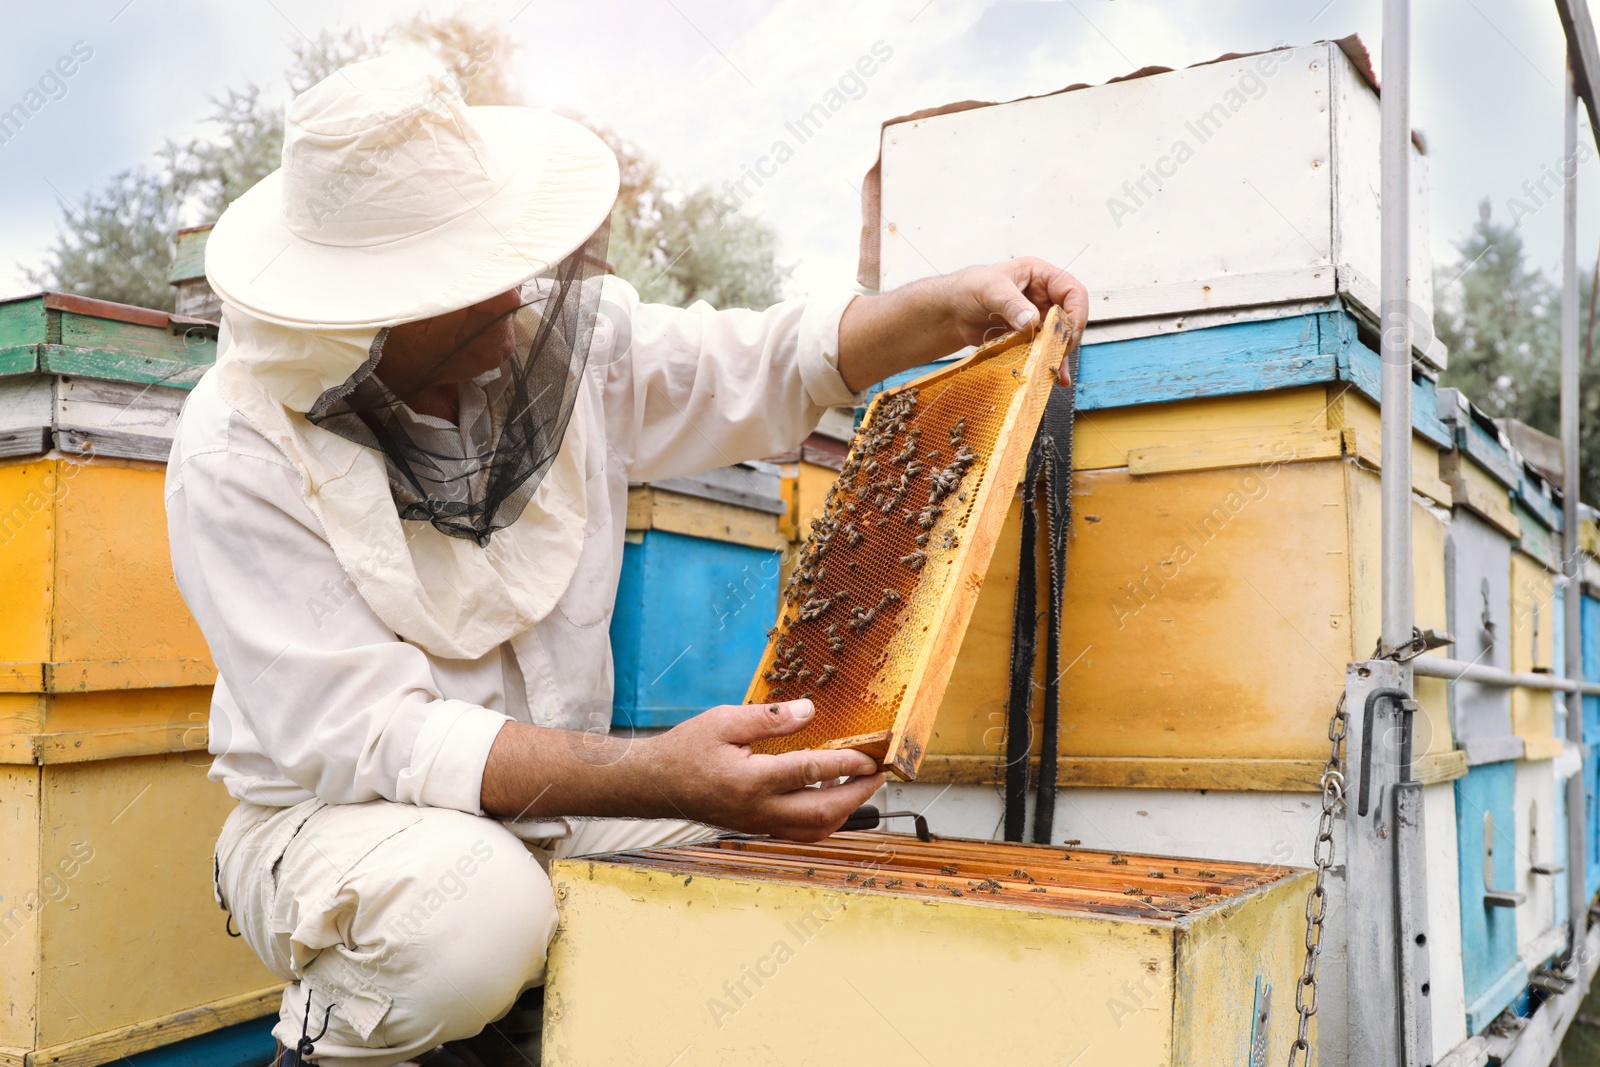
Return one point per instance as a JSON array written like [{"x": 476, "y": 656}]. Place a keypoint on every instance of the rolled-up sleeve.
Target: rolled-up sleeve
[
  {"x": 688, "y": 389},
  {"x": 343, "y": 707}
]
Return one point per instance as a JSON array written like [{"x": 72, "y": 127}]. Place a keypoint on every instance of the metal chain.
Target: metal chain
[{"x": 1317, "y": 902}]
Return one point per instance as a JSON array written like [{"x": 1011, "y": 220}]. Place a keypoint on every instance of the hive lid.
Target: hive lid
[
  {"x": 1037, "y": 877},
  {"x": 886, "y": 582}
]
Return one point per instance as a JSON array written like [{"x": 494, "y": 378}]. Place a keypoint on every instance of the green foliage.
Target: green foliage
[
  {"x": 675, "y": 247},
  {"x": 1501, "y": 320},
  {"x": 114, "y": 243}
]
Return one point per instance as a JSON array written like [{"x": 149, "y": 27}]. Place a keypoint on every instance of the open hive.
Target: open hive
[
  {"x": 1072, "y": 879},
  {"x": 745, "y": 951},
  {"x": 885, "y": 584}
]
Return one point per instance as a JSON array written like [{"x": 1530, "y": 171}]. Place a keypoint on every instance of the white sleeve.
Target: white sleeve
[
  {"x": 341, "y": 705},
  {"x": 688, "y": 389}
]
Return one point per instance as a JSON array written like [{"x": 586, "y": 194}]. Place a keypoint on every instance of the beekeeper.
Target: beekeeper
[{"x": 396, "y": 508}]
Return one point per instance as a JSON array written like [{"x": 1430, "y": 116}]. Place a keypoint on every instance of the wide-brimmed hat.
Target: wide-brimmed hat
[{"x": 396, "y": 201}]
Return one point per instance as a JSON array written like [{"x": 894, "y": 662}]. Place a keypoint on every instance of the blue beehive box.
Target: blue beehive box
[
  {"x": 1591, "y": 743},
  {"x": 1485, "y": 815},
  {"x": 693, "y": 611}
]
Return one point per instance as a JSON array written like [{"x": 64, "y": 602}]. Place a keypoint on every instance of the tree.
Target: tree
[
  {"x": 1501, "y": 320},
  {"x": 675, "y": 247}
]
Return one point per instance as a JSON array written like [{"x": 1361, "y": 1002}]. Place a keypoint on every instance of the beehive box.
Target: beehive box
[
  {"x": 1483, "y": 532},
  {"x": 91, "y": 377},
  {"x": 1170, "y": 148},
  {"x": 1538, "y": 622},
  {"x": 880, "y": 947},
  {"x": 107, "y": 875},
  {"x": 887, "y": 579},
  {"x": 106, "y": 814},
  {"x": 698, "y": 589},
  {"x": 1487, "y": 842}
]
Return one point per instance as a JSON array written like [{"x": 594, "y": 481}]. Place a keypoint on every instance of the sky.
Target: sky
[{"x": 706, "y": 87}]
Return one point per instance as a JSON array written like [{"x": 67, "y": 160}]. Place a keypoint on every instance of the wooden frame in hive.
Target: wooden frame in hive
[{"x": 884, "y": 586}]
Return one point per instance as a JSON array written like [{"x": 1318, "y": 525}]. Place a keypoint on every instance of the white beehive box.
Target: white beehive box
[{"x": 1249, "y": 183}]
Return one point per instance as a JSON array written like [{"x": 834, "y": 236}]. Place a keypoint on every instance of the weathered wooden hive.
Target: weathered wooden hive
[
  {"x": 107, "y": 819},
  {"x": 880, "y": 946}
]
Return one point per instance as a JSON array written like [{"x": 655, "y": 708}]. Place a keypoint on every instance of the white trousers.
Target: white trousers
[{"x": 415, "y": 925}]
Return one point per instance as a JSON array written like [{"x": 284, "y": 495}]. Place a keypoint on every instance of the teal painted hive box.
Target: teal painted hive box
[{"x": 698, "y": 591}]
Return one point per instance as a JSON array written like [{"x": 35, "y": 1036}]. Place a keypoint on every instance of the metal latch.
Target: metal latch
[
  {"x": 867, "y": 817},
  {"x": 1492, "y": 897},
  {"x": 1421, "y": 641}
]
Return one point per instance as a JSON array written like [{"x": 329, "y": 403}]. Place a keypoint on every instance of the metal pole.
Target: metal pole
[
  {"x": 1577, "y": 861},
  {"x": 1396, "y": 334},
  {"x": 1408, "y": 888}
]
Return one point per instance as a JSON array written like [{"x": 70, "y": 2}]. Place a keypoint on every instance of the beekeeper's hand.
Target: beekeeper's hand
[
  {"x": 701, "y": 770},
  {"x": 886, "y": 333},
  {"x": 706, "y": 768}
]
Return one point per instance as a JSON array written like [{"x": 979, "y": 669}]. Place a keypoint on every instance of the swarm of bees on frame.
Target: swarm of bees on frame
[{"x": 877, "y": 529}]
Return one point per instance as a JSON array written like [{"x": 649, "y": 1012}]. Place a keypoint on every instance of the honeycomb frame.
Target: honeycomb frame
[{"x": 908, "y": 530}]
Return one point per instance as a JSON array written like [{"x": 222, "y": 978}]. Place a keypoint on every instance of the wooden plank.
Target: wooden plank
[
  {"x": 1243, "y": 452},
  {"x": 121, "y": 365},
  {"x": 1103, "y": 438},
  {"x": 23, "y": 322},
  {"x": 152, "y": 1033},
  {"x": 78, "y": 746},
  {"x": 1474, "y": 488},
  {"x": 1583, "y": 55},
  {"x": 1249, "y": 357},
  {"x": 1533, "y": 494},
  {"x": 82, "y": 676},
  {"x": 1435, "y": 767},
  {"x": 659, "y": 509},
  {"x": 18, "y": 359},
  {"x": 1368, "y": 448},
  {"x": 1113, "y": 772},
  {"x": 1362, "y": 368}
]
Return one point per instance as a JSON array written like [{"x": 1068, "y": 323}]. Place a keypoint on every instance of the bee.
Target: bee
[
  {"x": 891, "y": 883},
  {"x": 957, "y": 430},
  {"x": 948, "y": 539},
  {"x": 915, "y": 559},
  {"x": 828, "y": 671},
  {"x": 1156, "y": 874},
  {"x": 814, "y": 608},
  {"x": 1206, "y": 874},
  {"x": 1117, "y": 860},
  {"x": 1132, "y": 891},
  {"x": 948, "y": 868},
  {"x": 1197, "y": 896},
  {"x": 890, "y": 594},
  {"x": 922, "y": 539},
  {"x": 852, "y": 564}
]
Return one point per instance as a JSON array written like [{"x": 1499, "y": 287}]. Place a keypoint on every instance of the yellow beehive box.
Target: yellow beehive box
[
  {"x": 110, "y": 939},
  {"x": 99, "y": 656},
  {"x": 1534, "y": 611},
  {"x": 871, "y": 948},
  {"x": 1224, "y": 568}
]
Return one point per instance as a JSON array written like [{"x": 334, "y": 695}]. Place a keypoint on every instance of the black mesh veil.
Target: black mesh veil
[{"x": 475, "y": 476}]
